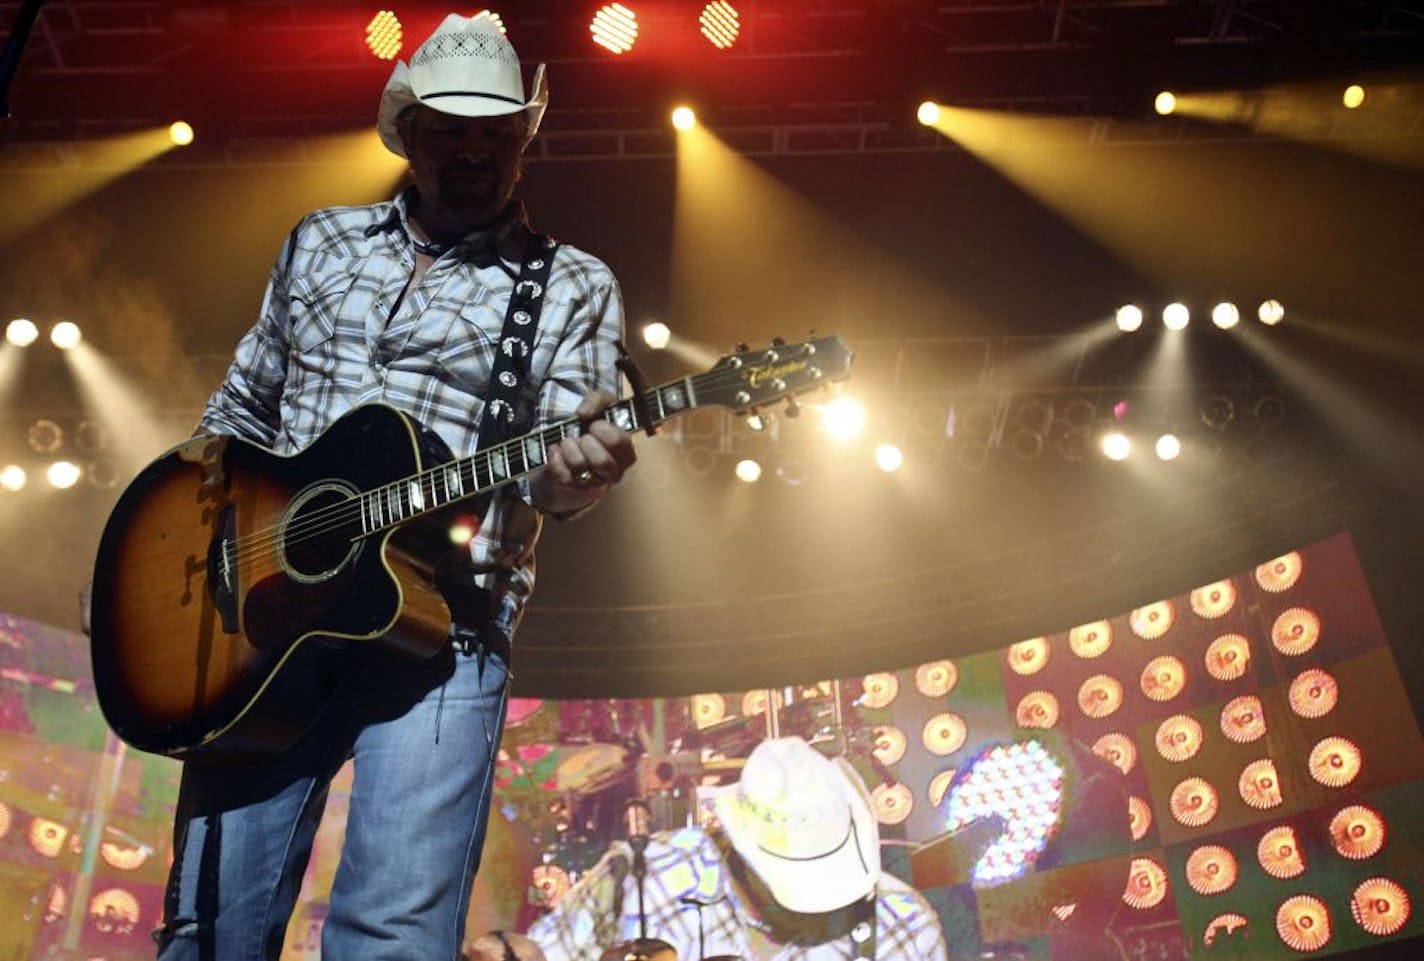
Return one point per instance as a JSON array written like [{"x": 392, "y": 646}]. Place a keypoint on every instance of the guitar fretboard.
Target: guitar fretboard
[{"x": 485, "y": 470}]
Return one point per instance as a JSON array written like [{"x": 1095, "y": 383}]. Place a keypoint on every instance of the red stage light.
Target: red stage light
[
  {"x": 614, "y": 28},
  {"x": 383, "y": 35},
  {"x": 720, "y": 24}
]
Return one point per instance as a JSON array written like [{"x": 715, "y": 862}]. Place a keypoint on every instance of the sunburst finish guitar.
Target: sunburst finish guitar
[{"x": 234, "y": 588}]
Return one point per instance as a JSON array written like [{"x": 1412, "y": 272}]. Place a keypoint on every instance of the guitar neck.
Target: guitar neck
[
  {"x": 739, "y": 382},
  {"x": 493, "y": 467}
]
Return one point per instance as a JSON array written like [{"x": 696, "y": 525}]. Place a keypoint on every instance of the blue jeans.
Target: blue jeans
[{"x": 423, "y": 737}]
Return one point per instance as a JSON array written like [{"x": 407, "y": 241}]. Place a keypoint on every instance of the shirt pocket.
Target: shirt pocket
[
  {"x": 467, "y": 351},
  {"x": 313, "y": 308}
]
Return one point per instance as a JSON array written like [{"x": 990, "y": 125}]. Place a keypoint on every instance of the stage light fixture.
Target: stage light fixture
[
  {"x": 1168, "y": 447},
  {"x": 683, "y": 118},
  {"x": 1225, "y": 315},
  {"x": 748, "y": 471},
  {"x": 180, "y": 132},
  {"x": 44, "y": 436},
  {"x": 1217, "y": 411},
  {"x": 720, "y": 24},
  {"x": 21, "y": 332},
  {"x": 1116, "y": 445},
  {"x": 65, "y": 335},
  {"x": 13, "y": 477},
  {"x": 889, "y": 458},
  {"x": 928, "y": 113},
  {"x": 656, "y": 335},
  {"x": 1165, "y": 103},
  {"x": 1176, "y": 316},
  {"x": 1271, "y": 312},
  {"x": 843, "y": 418},
  {"x": 1128, "y": 317},
  {"x": 103, "y": 473},
  {"x": 384, "y": 35},
  {"x": 1270, "y": 410},
  {"x": 63, "y": 474},
  {"x": 1353, "y": 97},
  {"x": 614, "y": 28}
]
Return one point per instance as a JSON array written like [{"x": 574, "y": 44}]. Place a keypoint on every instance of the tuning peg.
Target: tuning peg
[
  {"x": 793, "y": 409},
  {"x": 778, "y": 341},
  {"x": 741, "y": 347}
]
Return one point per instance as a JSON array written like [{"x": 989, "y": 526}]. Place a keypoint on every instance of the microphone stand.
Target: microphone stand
[{"x": 639, "y": 844}]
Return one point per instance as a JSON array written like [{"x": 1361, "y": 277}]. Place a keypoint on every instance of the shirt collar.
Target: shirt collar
[{"x": 477, "y": 244}]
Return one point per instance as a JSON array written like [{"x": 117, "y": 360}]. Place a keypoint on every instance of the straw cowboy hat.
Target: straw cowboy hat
[
  {"x": 804, "y": 824},
  {"x": 467, "y": 68}
]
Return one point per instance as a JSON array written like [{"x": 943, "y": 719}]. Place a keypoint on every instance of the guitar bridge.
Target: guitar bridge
[{"x": 222, "y": 569}]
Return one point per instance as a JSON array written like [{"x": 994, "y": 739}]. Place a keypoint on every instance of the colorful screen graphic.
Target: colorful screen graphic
[{"x": 1234, "y": 772}]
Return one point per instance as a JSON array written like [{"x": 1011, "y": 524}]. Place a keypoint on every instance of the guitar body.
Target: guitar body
[{"x": 234, "y": 588}]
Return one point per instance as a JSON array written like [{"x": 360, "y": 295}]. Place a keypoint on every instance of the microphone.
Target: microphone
[{"x": 636, "y": 823}]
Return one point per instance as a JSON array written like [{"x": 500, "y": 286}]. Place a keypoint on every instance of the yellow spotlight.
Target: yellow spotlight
[
  {"x": 63, "y": 474},
  {"x": 889, "y": 458},
  {"x": 1129, "y": 318},
  {"x": 656, "y": 335},
  {"x": 1271, "y": 313},
  {"x": 1116, "y": 445},
  {"x": 683, "y": 118},
  {"x": 1176, "y": 316},
  {"x": 1353, "y": 97},
  {"x": 461, "y": 532},
  {"x": 748, "y": 471},
  {"x": 13, "y": 477},
  {"x": 1165, "y": 103},
  {"x": 65, "y": 335},
  {"x": 614, "y": 28},
  {"x": 384, "y": 35},
  {"x": 180, "y": 132},
  {"x": 843, "y": 418},
  {"x": 1169, "y": 447},
  {"x": 21, "y": 332},
  {"x": 928, "y": 113},
  {"x": 1225, "y": 315}
]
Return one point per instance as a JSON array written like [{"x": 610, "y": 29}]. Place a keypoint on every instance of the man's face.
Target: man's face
[{"x": 465, "y": 167}]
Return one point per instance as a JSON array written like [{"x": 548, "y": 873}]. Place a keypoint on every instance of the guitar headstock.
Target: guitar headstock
[{"x": 750, "y": 379}]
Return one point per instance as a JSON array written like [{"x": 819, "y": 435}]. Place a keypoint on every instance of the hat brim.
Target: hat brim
[
  {"x": 845, "y": 873},
  {"x": 399, "y": 95}
]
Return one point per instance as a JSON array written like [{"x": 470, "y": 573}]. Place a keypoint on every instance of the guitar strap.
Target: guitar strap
[{"x": 470, "y": 605}]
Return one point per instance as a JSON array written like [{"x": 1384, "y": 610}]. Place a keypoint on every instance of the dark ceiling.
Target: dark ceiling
[{"x": 265, "y": 69}]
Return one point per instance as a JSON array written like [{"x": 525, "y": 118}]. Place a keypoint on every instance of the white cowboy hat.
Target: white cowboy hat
[
  {"x": 467, "y": 68},
  {"x": 804, "y": 824}
]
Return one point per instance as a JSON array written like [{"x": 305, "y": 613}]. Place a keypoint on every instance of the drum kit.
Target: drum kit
[{"x": 651, "y": 949}]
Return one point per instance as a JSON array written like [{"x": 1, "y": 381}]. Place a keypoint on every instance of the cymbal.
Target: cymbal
[
  {"x": 589, "y": 768},
  {"x": 640, "y": 949}
]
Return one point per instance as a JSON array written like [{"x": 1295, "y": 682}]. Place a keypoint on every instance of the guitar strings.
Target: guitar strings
[{"x": 339, "y": 516}]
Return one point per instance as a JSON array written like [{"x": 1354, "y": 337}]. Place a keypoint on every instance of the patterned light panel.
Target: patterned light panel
[{"x": 1231, "y": 772}]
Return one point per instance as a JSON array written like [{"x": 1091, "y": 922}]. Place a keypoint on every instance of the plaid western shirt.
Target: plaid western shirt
[
  {"x": 342, "y": 324},
  {"x": 687, "y": 864}
]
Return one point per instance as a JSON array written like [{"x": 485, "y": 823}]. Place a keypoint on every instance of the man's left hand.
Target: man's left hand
[{"x": 581, "y": 469}]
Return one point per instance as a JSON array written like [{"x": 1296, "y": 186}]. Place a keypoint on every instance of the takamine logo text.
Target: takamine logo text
[{"x": 756, "y": 376}]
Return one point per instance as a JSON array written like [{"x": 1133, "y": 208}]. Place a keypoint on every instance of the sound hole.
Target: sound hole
[{"x": 319, "y": 534}]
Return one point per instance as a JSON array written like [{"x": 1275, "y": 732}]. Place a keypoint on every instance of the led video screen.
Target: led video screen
[{"x": 1233, "y": 772}]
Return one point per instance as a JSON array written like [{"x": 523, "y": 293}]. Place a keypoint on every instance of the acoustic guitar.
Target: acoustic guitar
[{"x": 234, "y": 587}]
